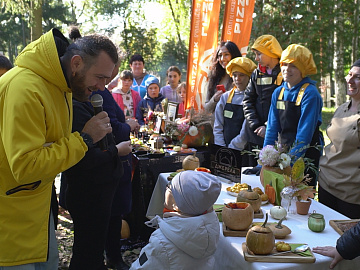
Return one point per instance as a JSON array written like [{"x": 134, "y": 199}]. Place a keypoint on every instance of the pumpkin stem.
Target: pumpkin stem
[
  {"x": 249, "y": 188},
  {"x": 266, "y": 219},
  {"x": 279, "y": 224}
]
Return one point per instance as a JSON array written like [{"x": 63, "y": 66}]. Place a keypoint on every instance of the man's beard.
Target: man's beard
[{"x": 78, "y": 87}]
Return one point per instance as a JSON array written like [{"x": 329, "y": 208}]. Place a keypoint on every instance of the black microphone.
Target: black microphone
[{"x": 97, "y": 102}]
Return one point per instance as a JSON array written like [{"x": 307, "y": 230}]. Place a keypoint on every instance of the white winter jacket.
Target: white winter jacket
[{"x": 186, "y": 243}]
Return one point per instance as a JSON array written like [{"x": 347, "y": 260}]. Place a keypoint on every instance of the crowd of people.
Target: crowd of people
[{"x": 49, "y": 126}]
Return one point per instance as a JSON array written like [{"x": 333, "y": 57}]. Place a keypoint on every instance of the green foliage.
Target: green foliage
[
  {"x": 138, "y": 40},
  {"x": 306, "y": 22}
]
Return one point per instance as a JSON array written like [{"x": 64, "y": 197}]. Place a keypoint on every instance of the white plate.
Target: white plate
[
  {"x": 264, "y": 202},
  {"x": 232, "y": 193}
]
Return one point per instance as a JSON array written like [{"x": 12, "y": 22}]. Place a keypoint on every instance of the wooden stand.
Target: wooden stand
[{"x": 234, "y": 233}]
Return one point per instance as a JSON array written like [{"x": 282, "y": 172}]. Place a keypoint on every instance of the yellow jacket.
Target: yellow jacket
[{"x": 36, "y": 144}]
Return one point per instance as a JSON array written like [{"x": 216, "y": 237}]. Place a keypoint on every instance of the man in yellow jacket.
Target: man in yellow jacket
[{"x": 36, "y": 142}]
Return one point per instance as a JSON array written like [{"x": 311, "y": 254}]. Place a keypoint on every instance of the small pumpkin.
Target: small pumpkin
[
  {"x": 125, "y": 230},
  {"x": 260, "y": 239},
  {"x": 237, "y": 216},
  {"x": 270, "y": 191},
  {"x": 251, "y": 197},
  {"x": 278, "y": 212},
  {"x": 280, "y": 231},
  {"x": 191, "y": 162}
]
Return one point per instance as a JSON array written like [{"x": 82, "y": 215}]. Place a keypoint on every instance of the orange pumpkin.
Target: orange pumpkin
[
  {"x": 237, "y": 216},
  {"x": 205, "y": 135},
  {"x": 125, "y": 230},
  {"x": 260, "y": 239}
]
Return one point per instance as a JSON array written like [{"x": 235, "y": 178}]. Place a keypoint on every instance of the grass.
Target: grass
[{"x": 327, "y": 114}]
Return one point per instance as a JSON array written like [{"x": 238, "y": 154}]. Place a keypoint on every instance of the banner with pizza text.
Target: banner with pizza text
[
  {"x": 203, "y": 43},
  {"x": 237, "y": 24}
]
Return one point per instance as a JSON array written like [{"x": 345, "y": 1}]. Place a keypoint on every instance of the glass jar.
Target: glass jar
[
  {"x": 288, "y": 200},
  {"x": 316, "y": 222}
]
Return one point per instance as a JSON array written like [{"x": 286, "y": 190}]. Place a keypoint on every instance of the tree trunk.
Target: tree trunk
[
  {"x": 35, "y": 20},
  {"x": 355, "y": 38},
  {"x": 176, "y": 21},
  {"x": 340, "y": 91}
]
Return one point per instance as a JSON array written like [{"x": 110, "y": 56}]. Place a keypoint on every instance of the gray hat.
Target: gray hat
[{"x": 195, "y": 192}]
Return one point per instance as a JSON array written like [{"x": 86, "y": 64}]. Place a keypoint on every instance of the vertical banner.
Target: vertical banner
[
  {"x": 238, "y": 23},
  {"x": 203, "y": 43}
]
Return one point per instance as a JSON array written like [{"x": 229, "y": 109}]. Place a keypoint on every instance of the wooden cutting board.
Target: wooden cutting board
[
  {"x": 233, "y": 233},
  {"x": 340, "y": 226},
  {"x": 259, "y": 214},
  {"x": 286, "y": 257}
]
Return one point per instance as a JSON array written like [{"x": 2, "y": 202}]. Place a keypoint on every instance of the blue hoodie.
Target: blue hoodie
[
  {"x": 147, "y": 103},
  {"x": 311, "y": 106}
]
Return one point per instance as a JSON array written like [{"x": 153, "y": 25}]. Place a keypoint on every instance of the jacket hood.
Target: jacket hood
[
  {"x": 45, "y": 49},
  {"x": 196, "y": 236}
]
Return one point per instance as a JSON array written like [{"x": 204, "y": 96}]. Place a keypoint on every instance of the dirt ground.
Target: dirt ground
[{"x": 65, "y": 238}]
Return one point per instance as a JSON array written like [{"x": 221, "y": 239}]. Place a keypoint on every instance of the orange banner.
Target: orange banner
[
  {"x": 203, "y": 43},
  {"x": 238, "y": 23}
]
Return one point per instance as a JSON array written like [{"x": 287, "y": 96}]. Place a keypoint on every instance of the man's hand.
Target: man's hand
[
  {"x": 330, "y": 252},
  {"x": 134, "y": 125},
  {"x": 260, "y": 131},
  {"x": 124, "y": 148},
  {"x": 255, "y": 170},
  {"x": 98, "y": 126}
]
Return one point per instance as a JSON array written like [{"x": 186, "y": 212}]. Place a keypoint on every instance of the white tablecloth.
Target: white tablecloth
[{"x": 229, "y": 253}]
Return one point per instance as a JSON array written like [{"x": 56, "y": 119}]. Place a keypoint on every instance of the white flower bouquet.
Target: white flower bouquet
[{"x": 273, "y": 156}]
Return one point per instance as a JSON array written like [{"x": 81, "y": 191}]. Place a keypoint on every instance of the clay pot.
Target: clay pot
[
  {"x": 302, "y": 207},
  {"x": 286, "y": 171},
  {"x": 238, "y": 218}
]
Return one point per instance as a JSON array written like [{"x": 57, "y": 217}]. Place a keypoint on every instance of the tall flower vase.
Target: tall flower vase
[{"x": 286, "y": 171}]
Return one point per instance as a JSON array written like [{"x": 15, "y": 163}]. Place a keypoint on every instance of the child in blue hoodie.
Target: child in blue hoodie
[{"x": 152, "y": 100}]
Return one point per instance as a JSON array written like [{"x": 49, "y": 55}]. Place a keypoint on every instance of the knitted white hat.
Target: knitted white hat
[{"x": 195, "y": 192}]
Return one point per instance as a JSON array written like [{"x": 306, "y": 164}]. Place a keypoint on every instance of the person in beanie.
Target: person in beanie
[
  {"x": 152, "y": 100},
  {"x": 339, "y": 176},
  {"x": 187, "y": 235},
  {"x": 229, "y": 115},
  {"x": 296, "y": 105},
  {"x": 263, "y": 81}
]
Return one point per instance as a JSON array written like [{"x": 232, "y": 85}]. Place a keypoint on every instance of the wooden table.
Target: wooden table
[{"x": 229, "y": 254}]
